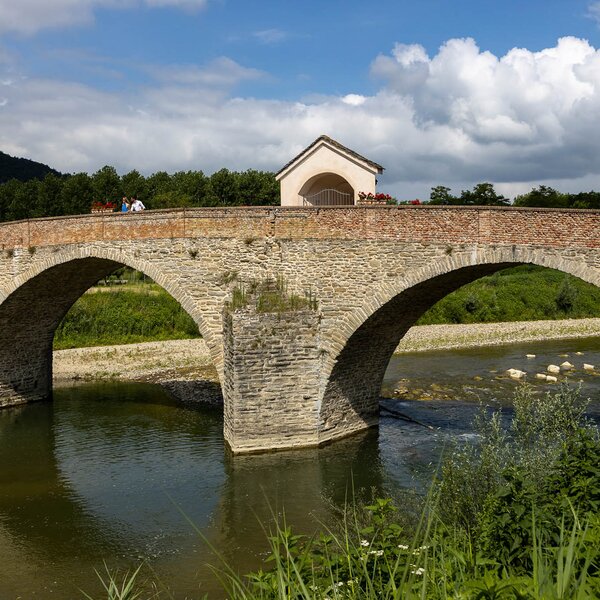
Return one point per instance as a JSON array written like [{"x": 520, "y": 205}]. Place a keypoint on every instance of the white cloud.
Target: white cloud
[
  {"x": 593, "y": 11},
  {"x": 354, "y": 99},
  {"x": 221, "y": 72},
  {"x": 30, "y": 16},
  {"x": 270, "y": 36},
  {"x": 455, "y": 118}
]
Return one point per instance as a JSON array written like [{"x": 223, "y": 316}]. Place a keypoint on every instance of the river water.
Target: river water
[{"x": 120, "y": 473}]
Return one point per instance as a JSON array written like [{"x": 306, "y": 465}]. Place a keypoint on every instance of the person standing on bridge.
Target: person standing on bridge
[
  {"x": 125, "y": 205},
  {"x": 136, "y": 205}
]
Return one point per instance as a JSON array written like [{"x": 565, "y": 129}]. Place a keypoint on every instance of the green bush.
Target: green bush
[{"x": 524, "y": 293}]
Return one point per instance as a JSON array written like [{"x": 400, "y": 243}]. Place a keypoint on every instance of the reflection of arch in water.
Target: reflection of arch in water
[
  {"x": 37, "y": 301},
  {"x": 367, "y": 339}
]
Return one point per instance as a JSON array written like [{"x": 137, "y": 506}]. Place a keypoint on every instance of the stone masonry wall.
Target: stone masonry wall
[
  {"x": 371, "y": 269},
  {"x": 272, "y": 379}
]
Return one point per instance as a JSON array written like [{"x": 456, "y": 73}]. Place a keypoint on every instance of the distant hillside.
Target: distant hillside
[{"x": 22, "y": 169}]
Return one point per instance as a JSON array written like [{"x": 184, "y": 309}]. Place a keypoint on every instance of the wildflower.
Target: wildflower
[
  {"x": 419, "y": 571},
  {"x": 403, "y": 546},
  {"x": 339, "y": 584},
  {"x": 364, "y": 543},
  {"x": 376, "y": 552}
]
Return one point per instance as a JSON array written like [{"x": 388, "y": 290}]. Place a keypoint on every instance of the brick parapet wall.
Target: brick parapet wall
[{"x": 420, "y": 224}]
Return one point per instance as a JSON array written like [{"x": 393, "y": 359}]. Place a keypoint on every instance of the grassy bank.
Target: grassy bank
[
  {"x": 525, "y": 293},
  {"x": 120, "y": 315}
]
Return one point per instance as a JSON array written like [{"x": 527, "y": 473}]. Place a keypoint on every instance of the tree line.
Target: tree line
[
  {"x": 484, "y": 194},
  {"x": 57, "y": 195}
]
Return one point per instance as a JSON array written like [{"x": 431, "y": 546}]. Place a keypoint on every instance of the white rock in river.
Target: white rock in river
[
  {"x": 516, "y": 373},
  {"x": 553, "y": 369},
  {"x": 588, "y": 367},
  {"x": 551, "y": 379},
  {"x": 530, "y": 355},
  {"x": 541, "y": 376},
  {"x": 566, "y": 365}
]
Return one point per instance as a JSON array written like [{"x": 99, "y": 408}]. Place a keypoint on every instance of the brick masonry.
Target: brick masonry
[{"x": 373, "y": 270}]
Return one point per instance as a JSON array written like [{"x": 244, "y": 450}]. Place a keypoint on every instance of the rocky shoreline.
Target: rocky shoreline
[
  {"x": 184, "y": 367},
  {"x": 442, "y": 337}
]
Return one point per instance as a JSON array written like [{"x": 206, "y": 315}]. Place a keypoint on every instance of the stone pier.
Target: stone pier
[{"x": 272, "y": 379}]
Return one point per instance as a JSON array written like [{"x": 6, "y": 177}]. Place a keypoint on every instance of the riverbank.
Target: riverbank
[
  {"x": 185, "y": 369},
  {"x": 442, "y": 337}
]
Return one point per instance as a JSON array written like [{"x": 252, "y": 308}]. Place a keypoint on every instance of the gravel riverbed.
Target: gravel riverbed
[{"x": 184, "y": 367}]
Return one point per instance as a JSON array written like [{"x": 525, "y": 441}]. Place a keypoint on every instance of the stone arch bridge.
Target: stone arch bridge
[{"x": 290, "y": 379}]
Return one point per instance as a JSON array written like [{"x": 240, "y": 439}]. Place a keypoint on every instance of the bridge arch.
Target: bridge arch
[
  {"x": 360, "y": 353},
  {"x": 34, "y": 302}
]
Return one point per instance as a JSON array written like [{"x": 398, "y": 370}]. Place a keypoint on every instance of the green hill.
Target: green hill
[{"x": 22, "y": 169}]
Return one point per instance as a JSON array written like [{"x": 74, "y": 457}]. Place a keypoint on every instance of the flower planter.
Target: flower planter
[
  {"x": 102, "y": 210},
  {"x": 370, "y": 202}
]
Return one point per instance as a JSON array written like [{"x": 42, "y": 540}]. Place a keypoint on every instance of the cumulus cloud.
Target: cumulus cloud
[
  {"x": 455, "y": 118},
  {"x": 30, "y": 16},
  {"x": 522, "y": 115},
  {"x": 354, "y": 99}
]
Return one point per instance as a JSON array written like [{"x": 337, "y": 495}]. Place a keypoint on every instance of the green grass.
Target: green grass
[
  {"x": 525, "y": 293},
  {"x": 121, "y": 315}
]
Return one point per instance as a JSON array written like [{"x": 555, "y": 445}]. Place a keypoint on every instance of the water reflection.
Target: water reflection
[{"x": 117, "y": 472}]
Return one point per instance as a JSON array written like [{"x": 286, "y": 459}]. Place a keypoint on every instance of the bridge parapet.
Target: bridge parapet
[{"x": 418, "y": 224}]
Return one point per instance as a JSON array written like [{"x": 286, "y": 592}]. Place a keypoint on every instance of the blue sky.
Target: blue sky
[{"x": 434, "y": 90}]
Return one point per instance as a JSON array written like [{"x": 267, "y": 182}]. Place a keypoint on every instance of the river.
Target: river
[{"x": 121, "y": 473}]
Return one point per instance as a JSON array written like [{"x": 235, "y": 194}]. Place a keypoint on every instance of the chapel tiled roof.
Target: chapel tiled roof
[{"x": 335, "y": 144}]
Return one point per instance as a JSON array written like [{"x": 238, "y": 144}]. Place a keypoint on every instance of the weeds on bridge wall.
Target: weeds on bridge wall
[{"x": 270, "y": 296}]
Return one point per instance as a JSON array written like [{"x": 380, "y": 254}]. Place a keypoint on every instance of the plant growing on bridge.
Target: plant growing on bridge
[{"x": 270, "y": 296}]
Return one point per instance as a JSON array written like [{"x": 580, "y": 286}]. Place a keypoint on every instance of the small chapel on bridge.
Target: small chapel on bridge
[{"x": 327, "y": 173}]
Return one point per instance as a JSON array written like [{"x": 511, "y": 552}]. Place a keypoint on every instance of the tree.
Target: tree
[
  {"x": 257, "y": 188},
  {"x": 543, "y": 196},
  {"x": 8, "y": 192},
  {"x": 22, "y": 199},
  {"x": 193, "y": 185},
  {"x": 483, "y": 194},
  {"x": 134, "y": 184},
  {"x": 440, "y": 194},
  {"x": 157, "y": 183},
  {"x": 224, "y": 185},
  {"x": 567, "y": 295},
  {"x": 107, "y": 185},
  {"x": 77, "y": 194},
  {"x": 49, "y": 202},
  {"x": 584, "y": 200}
]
